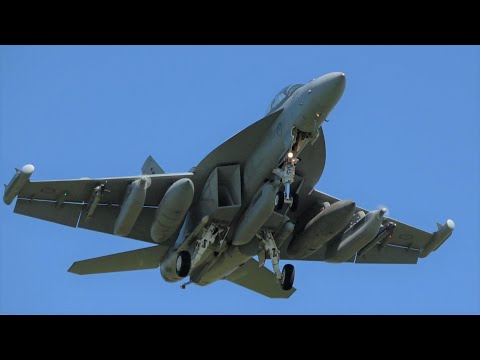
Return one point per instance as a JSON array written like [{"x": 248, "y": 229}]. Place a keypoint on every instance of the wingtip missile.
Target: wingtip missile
[
  {"x": 451, "y": 224},
  {"x": 18, "y": 181}
]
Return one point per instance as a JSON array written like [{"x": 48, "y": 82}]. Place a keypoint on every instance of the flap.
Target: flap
[
  {"x": 389, "y": 255},
  {"x": 74, "y": 215},
  {"x": 105, "y": 217},
  {"x": 66, "y": 214}
]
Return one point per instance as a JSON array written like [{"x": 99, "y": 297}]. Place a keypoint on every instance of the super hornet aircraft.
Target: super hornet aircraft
[{"x": 254, "y": 197}]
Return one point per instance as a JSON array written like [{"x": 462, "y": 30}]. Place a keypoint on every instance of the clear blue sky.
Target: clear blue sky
[{"x": 405, "y": 134}]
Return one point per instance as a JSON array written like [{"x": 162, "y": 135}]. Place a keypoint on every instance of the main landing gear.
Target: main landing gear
[
  {"x": 287, "y": 175},
  {"x": 183, "y": 263},
  {"x": 288, "y": 276},
  {"x": 268, "y": 247}
]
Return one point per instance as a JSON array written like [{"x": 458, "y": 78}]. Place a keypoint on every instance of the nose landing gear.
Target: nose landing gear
[
  {"x": 287, "y": 175},
  {"x": 281, "y": 198}
]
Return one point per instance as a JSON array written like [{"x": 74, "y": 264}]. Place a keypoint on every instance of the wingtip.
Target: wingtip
[
  {"x": 451, "y": 224},
  {"x": 285, "y": 295},
  {"x": 71, "y": 269}
]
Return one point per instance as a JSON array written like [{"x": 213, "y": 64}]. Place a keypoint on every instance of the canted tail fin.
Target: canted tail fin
[{"x": 151, "y": 167}]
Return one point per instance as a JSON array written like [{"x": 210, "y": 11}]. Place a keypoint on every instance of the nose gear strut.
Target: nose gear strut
[{"x": 287, "y": 175}]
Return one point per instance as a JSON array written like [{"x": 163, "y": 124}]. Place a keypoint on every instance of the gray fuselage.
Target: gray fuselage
[{"x": 302, "y": 112}]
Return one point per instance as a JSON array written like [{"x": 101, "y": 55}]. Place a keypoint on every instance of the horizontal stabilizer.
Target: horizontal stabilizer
[
  {"x": 141, "y": 259},
  {"x": 259, "y": 279},
  {"x": 150, "y": 167}
]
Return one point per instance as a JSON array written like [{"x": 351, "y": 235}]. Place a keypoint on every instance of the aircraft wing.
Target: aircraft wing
[
  {"x": 261, "y": 280},
  {"x": 66, "y": 201},
  {"x": 404, "y": 247}
]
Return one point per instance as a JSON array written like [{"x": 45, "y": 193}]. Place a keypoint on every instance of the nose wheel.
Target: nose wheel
[{"x": 281, "y": 198}]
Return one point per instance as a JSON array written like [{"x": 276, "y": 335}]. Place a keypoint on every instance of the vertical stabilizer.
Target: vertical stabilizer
[{"x": 150, "y": 167}]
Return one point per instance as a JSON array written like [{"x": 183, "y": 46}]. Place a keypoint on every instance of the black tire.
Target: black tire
[
  {"x": 288, "y": 277},
  {"x": 294, "y": 202},
  {"x": 183, "y": 263},
  {"x": 279, "y": 200}
]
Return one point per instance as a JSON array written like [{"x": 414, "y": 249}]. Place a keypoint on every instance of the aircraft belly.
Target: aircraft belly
[
  {"x": 265, "y": 157},
  {"x": 256, "y": 215},
  {"x": 221, "y": 266},
  {"x": 236, "y": 150}
]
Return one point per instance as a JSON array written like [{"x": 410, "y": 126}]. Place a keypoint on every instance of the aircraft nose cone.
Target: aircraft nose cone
[
  {"x": 341, "y": 80},
  {"x": 335, "y": 83},
  {"x": 329, "y": 88},
  {"x": 321, "y": 95}
]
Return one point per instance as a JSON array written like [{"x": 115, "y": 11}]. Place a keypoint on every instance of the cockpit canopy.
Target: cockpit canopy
[{"x": 283, "y": 95}]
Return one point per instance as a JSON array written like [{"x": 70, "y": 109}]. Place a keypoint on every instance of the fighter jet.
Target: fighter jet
[{"x": 251, "y": 197}]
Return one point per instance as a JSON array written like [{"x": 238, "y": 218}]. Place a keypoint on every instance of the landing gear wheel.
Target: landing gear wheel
[
  {"x": 183, "y": 263},
  {"x": 279, "y": 200},
  {"x": 294, "y": 205},
  {"x": 288, "y": 276}
]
